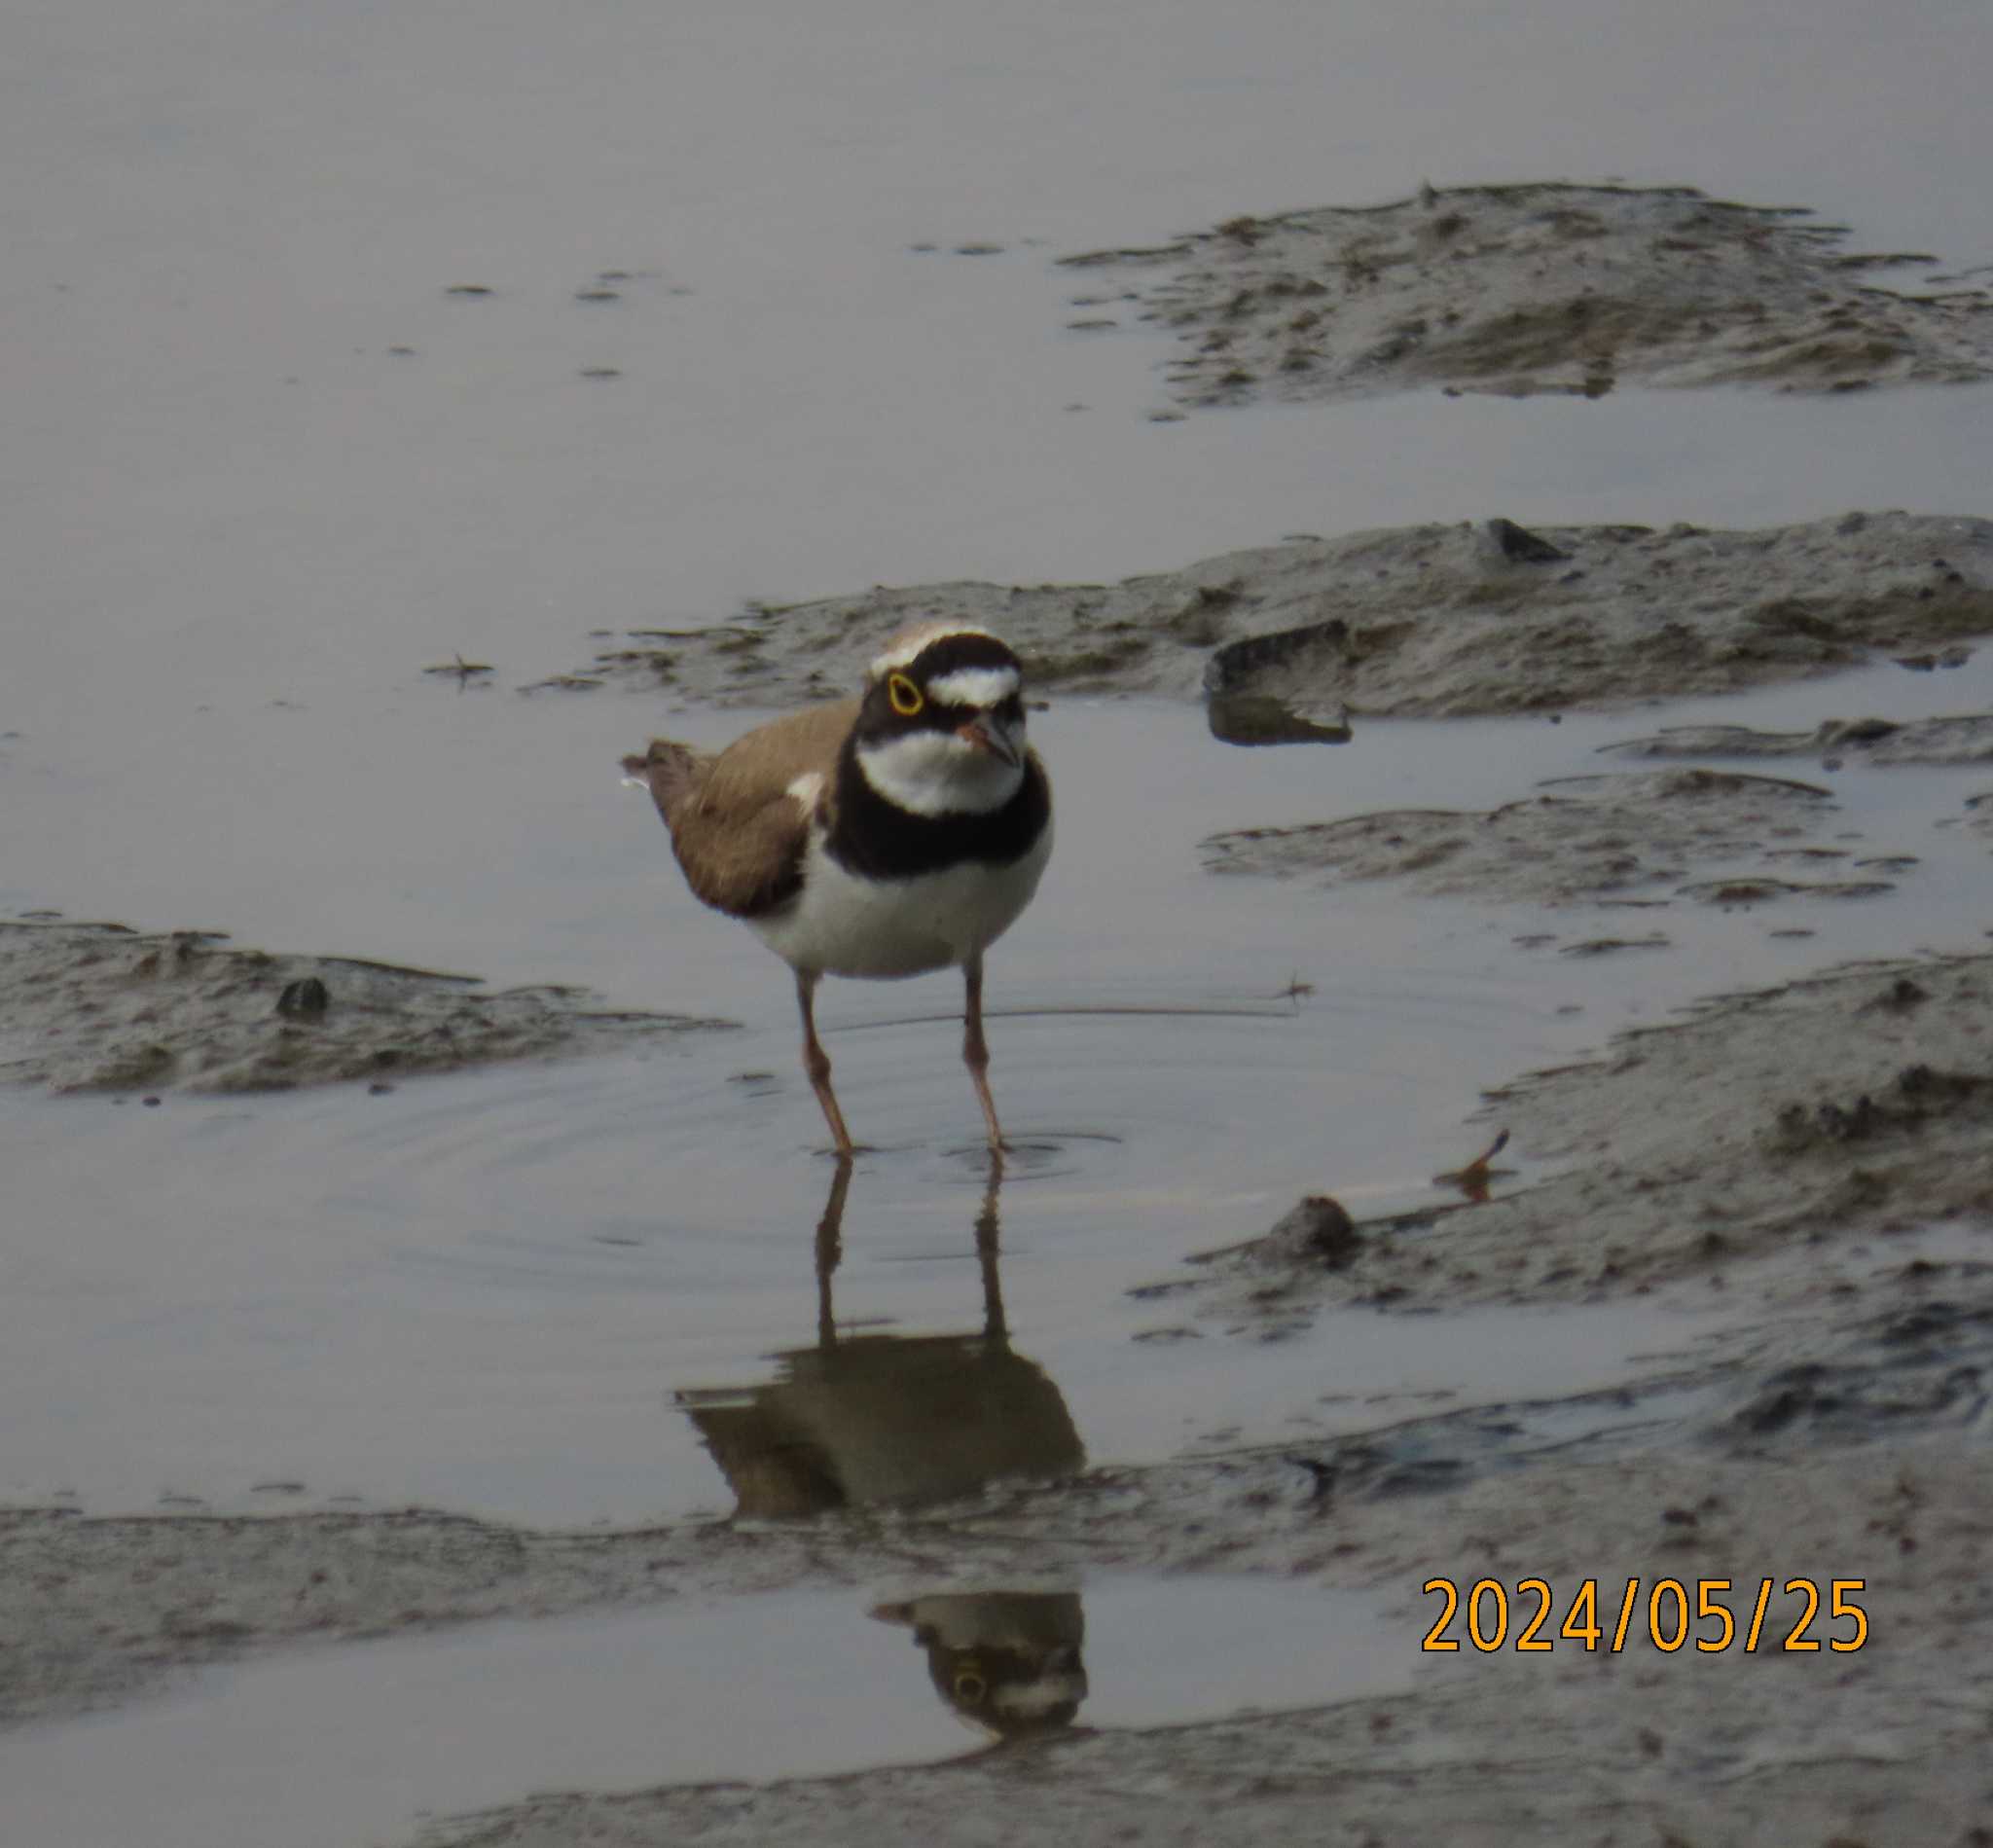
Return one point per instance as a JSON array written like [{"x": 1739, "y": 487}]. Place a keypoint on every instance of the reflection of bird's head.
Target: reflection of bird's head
[{"x": 1005, "y": 1662}]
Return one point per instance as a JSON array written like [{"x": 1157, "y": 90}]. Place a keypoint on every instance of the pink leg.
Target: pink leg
[
  {"x": 817, "y": 1062},
  {"x": 975, "y": 1049}
]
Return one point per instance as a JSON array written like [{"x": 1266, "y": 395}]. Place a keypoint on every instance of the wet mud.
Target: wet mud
[
  {"x": 1967, "y": 739},
  {"x": 1491, "y": 1748},
  {"x": 1786, "y": 1120},
  {"x": 100, "y": 1007},
  {"x": 1433, "y": 621},
  {"x": 1584, "y": 838},
  {"x": 1518, "y": 290}
]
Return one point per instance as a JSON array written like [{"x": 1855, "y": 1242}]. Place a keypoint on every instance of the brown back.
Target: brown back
[{"x": 738, "y": 834}]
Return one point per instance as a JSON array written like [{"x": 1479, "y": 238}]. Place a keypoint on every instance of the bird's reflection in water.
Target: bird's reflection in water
[
  {"x": 906, "y": 1420},
  {"x": 884, "y": 1419},
  {"x": 1008, "y": 1662}
]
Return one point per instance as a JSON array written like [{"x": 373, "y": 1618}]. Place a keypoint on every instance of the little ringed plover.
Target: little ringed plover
[{"x": 883, "y": 836}]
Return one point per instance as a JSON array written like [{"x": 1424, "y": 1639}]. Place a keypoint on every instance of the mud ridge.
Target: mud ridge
[
  {"x": 1786, "y": 1120},
  {"x": 1585, "y": 838},
  {"x": 1518, "y": 290},
  {"x": 100, "y": 1007},
  {"x": 1437, "y": 621}
]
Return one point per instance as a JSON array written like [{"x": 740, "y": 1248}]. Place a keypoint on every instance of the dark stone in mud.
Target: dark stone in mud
[
  {"x": 1243, "y": 704},
  {"x": 105, "y": 1008},
  {"x": 1248, "y": 666},
  {"x": 1519, "y": 543},
  {"x": 1514, "y": 290},
  {"x": 1900, "y": 996},
  {"x": 305, "y": 1000},
  {"x": 1315, "y": 1230}
]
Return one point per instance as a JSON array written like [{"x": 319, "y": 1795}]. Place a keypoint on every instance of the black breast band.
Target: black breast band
[{"x": 878, "y": 839}]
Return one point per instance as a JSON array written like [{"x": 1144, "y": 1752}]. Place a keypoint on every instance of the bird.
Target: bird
[{"x": 890, "y": 834}]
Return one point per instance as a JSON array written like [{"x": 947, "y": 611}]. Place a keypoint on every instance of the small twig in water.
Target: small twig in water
[{"x": 1473, "y": 1179}]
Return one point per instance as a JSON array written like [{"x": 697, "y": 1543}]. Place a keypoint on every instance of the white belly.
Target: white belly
[{"x": 843, "y": 926}]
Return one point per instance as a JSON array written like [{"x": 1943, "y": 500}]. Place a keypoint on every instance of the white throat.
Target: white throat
[{"x": 937, "y": 773}]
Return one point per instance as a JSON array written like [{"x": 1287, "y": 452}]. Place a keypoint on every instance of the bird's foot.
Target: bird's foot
[{"x": 845, "y": 1155}]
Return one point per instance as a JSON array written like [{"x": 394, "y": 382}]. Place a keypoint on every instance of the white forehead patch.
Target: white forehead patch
[
  {"x": 901, "y": 650},
  {"x": 980, "y": 687}
]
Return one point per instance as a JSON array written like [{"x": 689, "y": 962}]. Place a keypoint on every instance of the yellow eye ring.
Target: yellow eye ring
[
  {"x": 906, "y": 697},
  {"x": 970, "y": 1688}
]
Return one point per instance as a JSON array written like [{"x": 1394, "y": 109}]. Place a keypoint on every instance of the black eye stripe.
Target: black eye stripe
[{"x": 1008, "y": 711}]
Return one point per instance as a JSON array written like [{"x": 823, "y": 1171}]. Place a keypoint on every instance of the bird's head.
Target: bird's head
[
  {"x": 941, "y": 727},
  {"x": 1005, "y": 1663}
]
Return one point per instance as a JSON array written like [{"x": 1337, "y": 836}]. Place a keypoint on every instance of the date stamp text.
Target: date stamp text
[{"x": 1715, "y": 1615}]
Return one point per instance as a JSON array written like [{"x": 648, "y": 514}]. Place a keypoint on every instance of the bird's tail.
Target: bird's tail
[{"x": 669, "y": 770}]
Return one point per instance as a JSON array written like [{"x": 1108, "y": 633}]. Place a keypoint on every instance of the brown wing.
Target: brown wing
[{"x": 740, "y": 834}]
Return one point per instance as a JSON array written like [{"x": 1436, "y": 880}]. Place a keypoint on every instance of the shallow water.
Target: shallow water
[
  {"x": 486, "y": 1291},
  {"x": 353, "y": 1744}
]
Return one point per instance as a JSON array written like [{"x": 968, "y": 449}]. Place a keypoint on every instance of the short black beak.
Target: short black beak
[{"x": 986, "y": 736}]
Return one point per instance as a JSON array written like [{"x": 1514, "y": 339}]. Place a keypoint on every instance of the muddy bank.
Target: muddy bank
[
  {"x": 1487, "y": 1746},
  {"x": 1653, "y": 835},
  {"x": 1783, "y": 1120},
  {"x": 1516, "y": 290},
  {"x": 1881, "y": 1745},
  {"x": 105, "y": 1008},
  {"x": 1430, "y": 620},
  {"x": 1775, "y": 1155},
  {"x": 1967, "y": 739},
  {"x": 101, "y": 1610}
]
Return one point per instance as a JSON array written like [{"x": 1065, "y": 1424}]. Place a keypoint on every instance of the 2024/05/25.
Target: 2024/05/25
[{"x": 1667, "y": 1612}]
